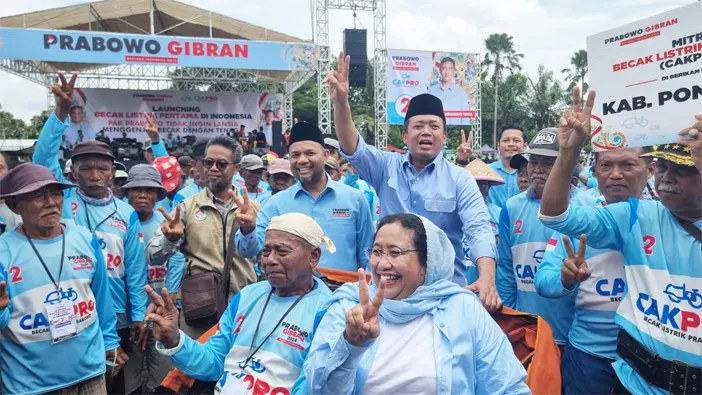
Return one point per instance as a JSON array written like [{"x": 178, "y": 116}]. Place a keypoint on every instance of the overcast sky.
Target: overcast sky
[{"x": 545, "y": 31}]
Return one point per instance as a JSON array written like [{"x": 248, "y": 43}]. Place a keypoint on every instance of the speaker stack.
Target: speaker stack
[{"x": 356, "y": 45}]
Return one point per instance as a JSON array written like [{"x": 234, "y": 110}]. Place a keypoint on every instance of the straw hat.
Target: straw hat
[{"x": 483, "y": 172}]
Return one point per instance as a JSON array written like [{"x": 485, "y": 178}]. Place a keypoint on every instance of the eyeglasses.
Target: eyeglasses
[
  {"x": 221, "y": 164},
  {"x": 392, "y": 254}
]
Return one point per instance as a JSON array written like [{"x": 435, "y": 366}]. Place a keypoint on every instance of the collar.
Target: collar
[
  {"x": 449, "y": 88},
  {"x": 214, "y": 199},
  {"x": 297, "y": 187},
  {"x": 406, "y": 161},
  {"x": 96, "y": 202}
]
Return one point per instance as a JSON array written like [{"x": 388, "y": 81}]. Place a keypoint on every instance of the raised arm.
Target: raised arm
[{"x": 339, "y": 93}]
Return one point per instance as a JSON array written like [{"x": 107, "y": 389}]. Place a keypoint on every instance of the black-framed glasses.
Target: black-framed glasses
[
  {"x": 392, "y": 254},
  {"x": 221, "y": 164}
]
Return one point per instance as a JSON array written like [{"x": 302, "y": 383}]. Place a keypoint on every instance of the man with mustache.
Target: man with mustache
[
  {"x": 423, "y": 181},
  {"x": 523, "y": 240},
  {"x": 93, "y": 206},
  {"x": 342, "y": 211},
  {"x": 52, "y": 272},
  {"x": 658, "y": 348},
  {"x": 201, "y": 228}
]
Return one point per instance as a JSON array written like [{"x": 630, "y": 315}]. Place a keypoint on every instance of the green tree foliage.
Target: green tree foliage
[{"x": 576, "y": 75}]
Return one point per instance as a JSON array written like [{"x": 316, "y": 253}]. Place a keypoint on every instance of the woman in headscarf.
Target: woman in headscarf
[{"x": 412, "y": 331}]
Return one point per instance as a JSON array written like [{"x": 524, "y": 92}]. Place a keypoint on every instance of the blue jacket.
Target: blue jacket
[
  {"x": 472, "y": 354},
  {"x": 29, "y": 363},
  {"x": 116, "y": 225}
]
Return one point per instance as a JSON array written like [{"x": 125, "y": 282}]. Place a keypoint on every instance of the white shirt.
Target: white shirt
[
  {"x": 71, "y": 132},
  {"x": 268, "y": 131},
  {"x": 404, "y": 362}
]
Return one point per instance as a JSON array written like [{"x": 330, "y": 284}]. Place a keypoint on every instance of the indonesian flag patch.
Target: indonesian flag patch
[{"x": 551, "y": 245}]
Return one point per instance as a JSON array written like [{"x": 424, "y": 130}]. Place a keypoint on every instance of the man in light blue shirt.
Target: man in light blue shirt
[
  {"x": 453, "y": 97},
  {"x": 512, "y": 142},
  {"x": 422, "y": 181},
  {"x": 200, "y": 181},
  {"x": 251, "y": 170},
  {"x": 342, "y": 211}
]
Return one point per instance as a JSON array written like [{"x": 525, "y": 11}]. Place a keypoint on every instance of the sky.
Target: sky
[{"x": 547, "y": 32}]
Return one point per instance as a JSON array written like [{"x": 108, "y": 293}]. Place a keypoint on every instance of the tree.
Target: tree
[
  {"x": 11, "y": 127},
  {"x": 546, "y": 97},
  {"x": 513, "y": 103},
  {"x": 500, "y": 56},
  {"x": 576, "y": 76}
]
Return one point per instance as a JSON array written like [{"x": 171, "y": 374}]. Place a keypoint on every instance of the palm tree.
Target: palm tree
[
  {"x": 500, "y": 56},
  {"x": 546, "y": 95},
  {"x": 576, "y": 75}
]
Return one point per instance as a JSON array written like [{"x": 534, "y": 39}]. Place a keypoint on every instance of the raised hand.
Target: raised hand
[
  {"x": 465, "y": 149},
  {"x": 244, "y": 215},
  {"x": 363, "y": 321},
  {"x": 691, "y": 138},
  {"x": 151, "y": 127},
  {"x": 172, "y": 228},
  {"x": 574, "y": 268},
  {"x": 339, "y": 80},
  {"x": 4, "y": 297},
  {"x": 63, "y": 95},
  {"x": 575, "y": 123},
  {"x": 164, "y": 316}
]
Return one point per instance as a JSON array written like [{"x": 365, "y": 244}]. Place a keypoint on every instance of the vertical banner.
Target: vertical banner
[
  {"x": 648, "y": 79},
  {"x": 451, "y": 76},
  {"x": 200, "y": 114}
]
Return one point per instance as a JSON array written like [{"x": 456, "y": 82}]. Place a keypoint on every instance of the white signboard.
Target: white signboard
[
  {"x": 200, "y": 114},
  {"x": 648, "y": 78},
  {"x": 451, "y": 76}
]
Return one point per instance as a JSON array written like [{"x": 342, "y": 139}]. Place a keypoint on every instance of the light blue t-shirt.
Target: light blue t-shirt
[{"x": 499, "y": 194}]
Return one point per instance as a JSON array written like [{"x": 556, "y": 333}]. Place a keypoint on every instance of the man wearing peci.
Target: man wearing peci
[
  {"x": 453, "y": 97},
  {"x": 422, "y": 181}
]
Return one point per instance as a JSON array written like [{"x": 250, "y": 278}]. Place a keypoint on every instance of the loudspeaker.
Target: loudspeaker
[
  {"x": 278, "y": 143},
  {"x": 356, "y": 46}
]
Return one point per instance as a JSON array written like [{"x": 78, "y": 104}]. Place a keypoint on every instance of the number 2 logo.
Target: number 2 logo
[
  {"x": 16, "y": 274},
  {"x": 518, "y": 224},
  {"x": 649, "y": 242}
]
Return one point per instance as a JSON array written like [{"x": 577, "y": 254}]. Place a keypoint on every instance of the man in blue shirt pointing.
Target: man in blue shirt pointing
[{"x": 422, "y": 182}]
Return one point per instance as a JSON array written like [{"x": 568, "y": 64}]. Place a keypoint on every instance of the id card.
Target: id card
[
  {"x": 62, "y": 321},
  {"x": 234, "y": 386}
]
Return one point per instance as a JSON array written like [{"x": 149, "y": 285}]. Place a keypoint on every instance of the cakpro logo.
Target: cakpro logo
[
  {"x": 405, "y": 80},
  {"x": 678, "y": 312},
  {"x": 38, "y": 323}
]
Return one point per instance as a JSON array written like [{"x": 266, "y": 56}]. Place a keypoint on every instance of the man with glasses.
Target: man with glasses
[{"x": 201, "y": 228}]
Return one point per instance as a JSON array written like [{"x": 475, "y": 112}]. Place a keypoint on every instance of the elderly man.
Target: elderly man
[
  {"x": 280, "y": 176},
  {"x": 93, "y": 206},
  {"x": 422, "y": 182},
  {"x": 342, "y": 211},
  {"x": 252, "y": 168},
  {"x": 143, "y": 189},
  {"x": 332, "y": 167},
  {"x": 658, "y": 348},
  {"x": 202, "y": 228},
  {"x": 265, "y": 333},
  {"x": 332, "y": 146},
  {"x": 56, "y": 313}
]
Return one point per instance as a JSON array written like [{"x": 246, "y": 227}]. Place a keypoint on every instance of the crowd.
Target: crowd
[{"x": 343, "y": 269}]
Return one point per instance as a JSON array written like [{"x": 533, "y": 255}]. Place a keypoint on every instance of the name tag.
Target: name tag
[{"x": 62, "y": 321}]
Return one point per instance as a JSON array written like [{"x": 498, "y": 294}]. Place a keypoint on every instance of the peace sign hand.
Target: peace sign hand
[
  {"x": 339, "y": 81},
  {"x": 465, "y": 149},
  {"x": 172, "y": 228},
  {"x": 362, "y": 321},
  {"x": 244, "y": 213},
  {"x": 151, "y": 127},
  {"x": 691, "y": 138},
  {"x": 4, "y": 297},
  {"x": 574, "y": 268},
  {"x": 164, "y": 316},
  {"x": 575, "y": 123},
  {"x": 63, "y": 95}
]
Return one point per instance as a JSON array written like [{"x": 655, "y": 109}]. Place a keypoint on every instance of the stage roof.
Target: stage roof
[{"x": 171, "y": 18}]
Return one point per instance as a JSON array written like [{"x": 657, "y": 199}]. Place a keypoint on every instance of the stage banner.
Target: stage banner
[
  {"x": 200, "y": 114},
  {"x": 451, "y": 76},
  {"x": 647, "y": 78},
  {"x": 110, "y": 48}
]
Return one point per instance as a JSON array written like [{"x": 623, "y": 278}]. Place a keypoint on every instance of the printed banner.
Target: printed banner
[
  {"x": 110, "y": 48},
  {"x": 647, "y": 77},
  {"x": 201, "y": 114},
  {"x": 451, "y": 76}
]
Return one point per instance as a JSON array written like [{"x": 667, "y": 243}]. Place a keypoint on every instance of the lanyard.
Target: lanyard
[
  {"x": 87, "y": 217},
  {"x": 63, "y": 252},
  {"x": 274, "y": 328}
]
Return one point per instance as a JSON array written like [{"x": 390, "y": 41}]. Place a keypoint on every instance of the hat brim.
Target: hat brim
[
  {"x": 491, "y": 180},
  {"x": 288, "y": 172},
  {"x": 35, "y": 186},
  {"x": 144, "y": 184},
  {"x": 518, "y": 160},
  {"x": 674, "y": 157},
  {"x": 542, "y": 152},
  {"x": 103, "y": 154},
  {"x": 254, "y": 167}
]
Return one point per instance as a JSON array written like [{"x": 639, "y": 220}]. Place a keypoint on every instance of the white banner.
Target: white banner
[
  {"x": 647, "y": 77},
  {"x": 451, "y": 76},
  {"x": 201, "y": 114}
]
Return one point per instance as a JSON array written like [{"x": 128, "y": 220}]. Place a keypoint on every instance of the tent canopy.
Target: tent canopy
[{"x": 486, "y": 149}]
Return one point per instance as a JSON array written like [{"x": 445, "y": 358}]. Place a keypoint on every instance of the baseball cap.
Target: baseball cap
[
  {"x": 28, "y": 178},
  {"x": 332, "y": 143},
  {"x": 92, "y": 147},
  {"x": 545, "y": 143},
  {"x": 279, "y": 166},
  {"x": 518, "y": 161},
  {"x": 676, "y": 153},
  {"x": 252, "y": 162},
  {"x": 121, "y": 174},
  {"x": 147, "y": 145},
  {"x": 169, "y": 170}
]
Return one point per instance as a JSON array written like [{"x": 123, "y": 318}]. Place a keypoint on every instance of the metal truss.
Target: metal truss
[
  {"x": 322, "y": 8},
  {"x": 323, "y": 65},
  {"x": 288, "y": 106},
  {"x": 477, "y": 127}
]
